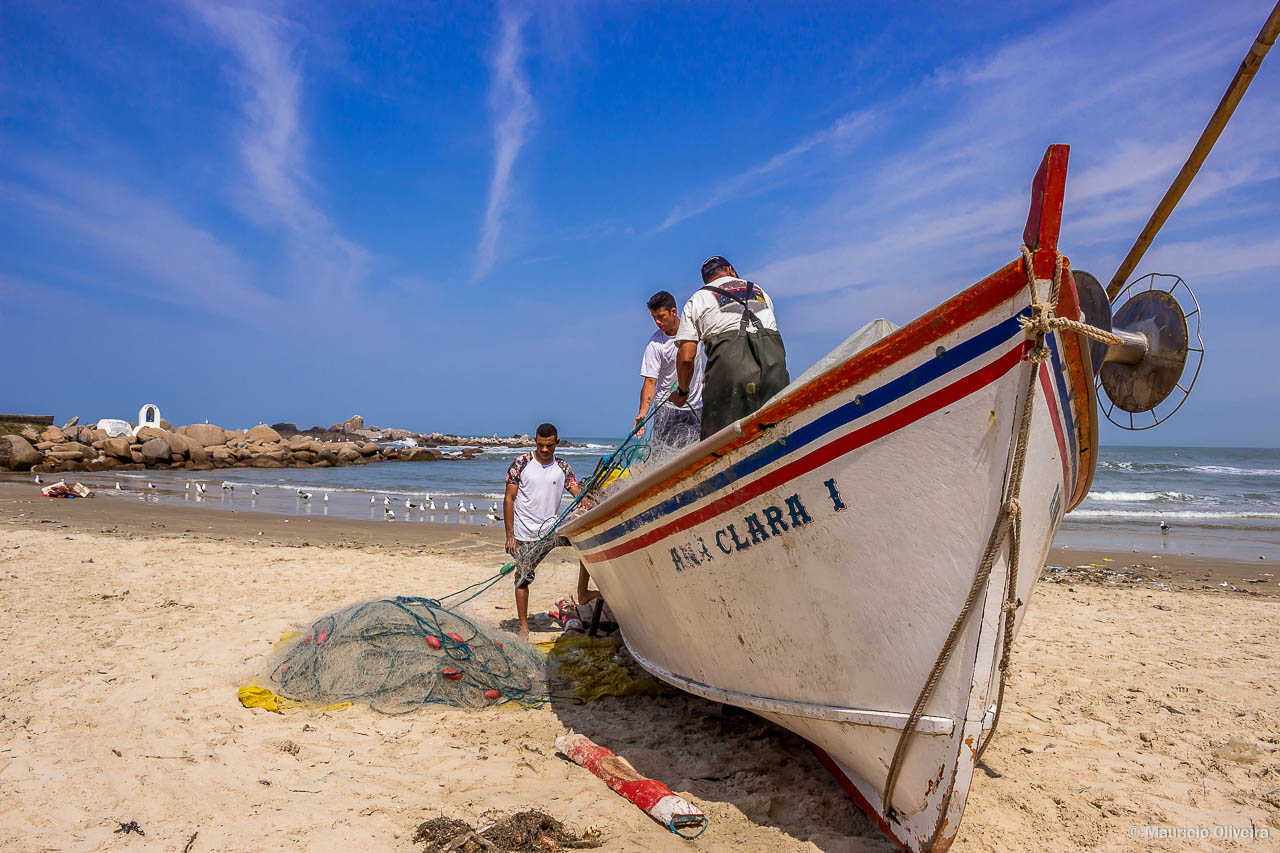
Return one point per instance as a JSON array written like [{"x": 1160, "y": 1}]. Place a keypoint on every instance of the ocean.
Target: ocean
[{"x": 1216, "y": 501}]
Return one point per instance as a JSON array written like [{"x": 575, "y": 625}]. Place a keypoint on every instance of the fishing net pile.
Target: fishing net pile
[{"x": 399, "y": 654}]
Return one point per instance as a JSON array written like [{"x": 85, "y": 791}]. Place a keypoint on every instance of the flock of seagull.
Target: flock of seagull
[{"x": 423, "y": 506}]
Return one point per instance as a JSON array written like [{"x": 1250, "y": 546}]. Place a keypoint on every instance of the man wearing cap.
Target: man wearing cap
[{"x": 746, "y": 361}]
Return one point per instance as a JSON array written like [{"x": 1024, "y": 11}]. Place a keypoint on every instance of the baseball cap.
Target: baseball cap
[{"x": 714, "y": 262}]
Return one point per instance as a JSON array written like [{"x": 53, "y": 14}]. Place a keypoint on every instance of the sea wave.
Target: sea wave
[
  {"x": 1186, "y": 515},
  {"x": 1240, "y": 472},
  {"x": 1137, "y": 497}
]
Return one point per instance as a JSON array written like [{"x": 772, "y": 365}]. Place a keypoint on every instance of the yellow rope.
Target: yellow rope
[{"x": 1008, "y": 520}]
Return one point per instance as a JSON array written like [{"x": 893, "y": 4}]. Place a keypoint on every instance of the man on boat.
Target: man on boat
[
  {"x": 746, "y": 361},
  {"x": 672, "y": 425},
  {"x": 535, "y": 483}
]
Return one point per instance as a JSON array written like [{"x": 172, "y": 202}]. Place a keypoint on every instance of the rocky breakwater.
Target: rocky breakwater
[
  {"x": 197, "y": 447},
  {"x": 354, "y": 429}
]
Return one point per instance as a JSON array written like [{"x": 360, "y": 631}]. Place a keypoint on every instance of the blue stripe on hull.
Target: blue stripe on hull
[{"x": 859, "y": 407}]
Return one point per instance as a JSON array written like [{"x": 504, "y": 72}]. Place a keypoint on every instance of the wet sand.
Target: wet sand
[{"x": 1140, "y": 699}]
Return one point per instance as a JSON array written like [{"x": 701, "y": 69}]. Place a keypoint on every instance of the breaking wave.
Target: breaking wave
[{"x": 1135, "y": 497}]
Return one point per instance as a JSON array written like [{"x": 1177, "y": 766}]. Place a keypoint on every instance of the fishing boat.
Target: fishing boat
[{"x": 853, "y": 560}]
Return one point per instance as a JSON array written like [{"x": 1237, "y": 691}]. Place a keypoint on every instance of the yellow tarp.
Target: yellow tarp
[{"x": 256, "y": 696}]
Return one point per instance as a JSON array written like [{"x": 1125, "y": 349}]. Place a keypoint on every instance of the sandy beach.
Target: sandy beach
[{"x": 1146, "y": 699}]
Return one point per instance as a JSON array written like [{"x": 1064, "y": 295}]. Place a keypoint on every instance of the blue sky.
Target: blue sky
[{"x": 449, "y": 216}]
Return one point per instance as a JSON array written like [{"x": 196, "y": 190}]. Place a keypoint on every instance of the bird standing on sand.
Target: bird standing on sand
[
  {"x": 462, "y": 507},
  {"x": 371, "y": 500},
  {"x": 386, "y": 501},
  {"x": 493, "y": 508},
  {"x": 473, "y": 507},
  {"x": 118, "y": 486},
  {"x": 432, "y": 504},
  {"x": 408, "y": 504},
  {"x": 150, "y": 485},
  {"x": 326, "y": 497},
  {"x": 253, "y": 492},
  {"x": 306, "y": 496},
  {"x": 228, "y": 487},
  {"x": 492, "y": 518},
  {"x": 446, "y": 506},
  {"x": 38, "y": 480},
  {"x": 1164, "y": 528},
  {"x": 188, "y": 486},
  {"x": 200, "y": 489},
  {"x": 390, "y": 516}
]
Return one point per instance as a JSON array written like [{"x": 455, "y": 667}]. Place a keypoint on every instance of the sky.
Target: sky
[{"x": 449, "y": 216}]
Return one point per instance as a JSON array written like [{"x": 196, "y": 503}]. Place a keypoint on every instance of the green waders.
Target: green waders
[{"x": 744, "y": 369}]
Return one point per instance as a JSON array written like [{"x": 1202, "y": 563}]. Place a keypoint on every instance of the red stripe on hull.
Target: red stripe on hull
[
  {"x": 1057, "y": 425},
  {"x": 834, "y": 450}
]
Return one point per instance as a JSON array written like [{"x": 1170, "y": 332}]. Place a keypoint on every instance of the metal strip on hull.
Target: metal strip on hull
[{"x": 880, "y": 719}]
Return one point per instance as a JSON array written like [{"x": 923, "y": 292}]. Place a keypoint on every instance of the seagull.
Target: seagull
[
  {"x": 408, "y": 504},
  {"x": 473, "y": 507},
  {"x": 38, "y": 480},
  {"x": 492, "y": 518},
  {"x": 118, "y": 486},
  {"x": 253, "y": 492},
  {"x": 428, "y": 496},
  {"x": 1164, "y": 528},
  {"x": 150, "y": 485},
  {"x": 446, "y": 506},
  {"x": 370, "y": 500},
  {"x": 462, "y": 507},
  {"x": 386, "y": 501},
  {"x": 228, "y": 487},
  {"x": 326, "y": 497},
  {"x": 306, "y": 496},
  {"x": 188, "y": 486},
  {"x": 493, "y": 508},
  {"x": 200, "y": 489},
  {"x": 432, "y": 504},
  {"x": 391, "y": 516}
]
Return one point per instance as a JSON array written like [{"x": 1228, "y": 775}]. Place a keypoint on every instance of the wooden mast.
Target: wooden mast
[{"x": 1221, "y": 115}]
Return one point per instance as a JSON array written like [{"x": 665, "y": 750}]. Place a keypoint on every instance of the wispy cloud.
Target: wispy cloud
[
  {"x": 513, "y": 109},
  {"x": 762, "y": 177},
  {"x": 922, "y": 219},
  {"x": 273, "y": 145},
  {"x": 145, "y": 247}
]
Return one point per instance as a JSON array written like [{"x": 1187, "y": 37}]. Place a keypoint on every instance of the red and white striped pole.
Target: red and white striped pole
[{"x": 660, "y": 802}]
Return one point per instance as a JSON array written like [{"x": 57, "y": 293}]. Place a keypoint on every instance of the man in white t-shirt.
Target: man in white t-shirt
[
  {"x": 746, "y": 360},
  {"x": 672, "y": 425},
  {"x": 535, "y": 484}
]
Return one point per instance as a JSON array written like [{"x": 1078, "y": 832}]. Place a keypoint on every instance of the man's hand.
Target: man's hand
[
  {"x": 676, "y": 398},
  {"x": 511, "y": 545},
  {"x": 637, "y": 421}
]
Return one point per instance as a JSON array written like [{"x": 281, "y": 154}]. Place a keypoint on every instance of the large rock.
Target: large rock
[
  {"x": 64, "y": 454},
  {"x": 351, "y": 424},
  {"x": 267, "y": 460},
  {"x": 304, "y": 456},
  {"x": 221, "y": 456},
  {"x": 52, "y": 433},
  {"x": 16, "y": 453},
  {"x": 302, "y": 442},
  {"x": 147, "y": 433},
  {"x": 155, "y": 450},
  {"x": 207, "y": 435},
  {"x": 263, "y": 433},
  {"x": 117, "y": 447},
  {"x": 368, "y": 448},
  {"x": 94, "y": 435},
  {"x": 230, "y": 435},
  {"x": 421, "y": 454},
  {"x": 348, "y": 453}
]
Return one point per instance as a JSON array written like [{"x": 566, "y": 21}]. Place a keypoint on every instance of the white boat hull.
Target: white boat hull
[{"x": 808, "y": 562}]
